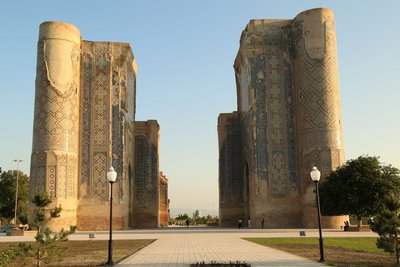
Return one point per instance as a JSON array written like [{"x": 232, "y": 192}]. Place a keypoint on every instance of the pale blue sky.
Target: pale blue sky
[{"x": 185, "y": 52}]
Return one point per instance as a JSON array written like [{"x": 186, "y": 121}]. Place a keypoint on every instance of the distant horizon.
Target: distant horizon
[
  {"x": 176, "y": 211},
  {"x": 185, "y": 53}
]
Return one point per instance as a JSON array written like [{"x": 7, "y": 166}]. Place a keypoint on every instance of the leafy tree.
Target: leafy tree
[
  {"x": 201, "y": 220},
  {"x": 358, "y": 188},
  {"x": 387, "y": 224},
  {"x": 206, "y": 219},
  {"x": 7, "y": 194},
  {"x": 182, "y": 217}
]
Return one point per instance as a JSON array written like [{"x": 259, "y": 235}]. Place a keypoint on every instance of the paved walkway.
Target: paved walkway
[
  {"x": 183, "y": 246},
  {"x": 184, "y": 249}
]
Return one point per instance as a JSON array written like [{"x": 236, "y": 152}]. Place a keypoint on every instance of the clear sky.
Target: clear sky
[{"x": 185, "y": 52}]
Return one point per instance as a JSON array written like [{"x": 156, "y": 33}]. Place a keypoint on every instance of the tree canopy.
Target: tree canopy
[
  {"x": 184, "y": 216},
  {"x": 7, "y": 193},
  {"x": 360, "y": 187}
]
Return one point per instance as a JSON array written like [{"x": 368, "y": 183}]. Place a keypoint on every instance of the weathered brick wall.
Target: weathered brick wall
[
  {"x": 290, "y": 119},
  {"x": 55, "y": 146},
  {"x": 231, "y": 182},
  {"x": 83, "y": 124},
  {"x": 164, "y": 202},
  {"x": 106, "y": 78},
  {"x": 144, "y": 202},
  {"x": 319, "y": 118}
]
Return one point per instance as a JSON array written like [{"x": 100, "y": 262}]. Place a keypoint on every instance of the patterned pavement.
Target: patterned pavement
[{"x": 185, "y": 246}]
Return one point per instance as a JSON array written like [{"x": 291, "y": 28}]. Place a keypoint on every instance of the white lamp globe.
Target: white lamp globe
[
  {"x": 111, "y": 175},
  {"x": 315, "y": 174}
]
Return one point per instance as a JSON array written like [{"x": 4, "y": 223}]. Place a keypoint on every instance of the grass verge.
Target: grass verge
[
  {"x": 93, "y": 252},
  {"x": 340, "y": 252}
]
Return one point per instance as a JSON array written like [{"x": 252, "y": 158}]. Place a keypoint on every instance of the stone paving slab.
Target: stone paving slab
[{"x": 187, "y": 248}]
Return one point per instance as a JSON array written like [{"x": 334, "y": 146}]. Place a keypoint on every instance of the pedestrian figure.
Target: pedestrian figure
[
  {"x": 249, "y": 223},
  {"x": 240, "y": 223},
  {"x": 346, "y": 225},
  {"x": 262, "y": 223},
  {"x": 187, "y": 222}
]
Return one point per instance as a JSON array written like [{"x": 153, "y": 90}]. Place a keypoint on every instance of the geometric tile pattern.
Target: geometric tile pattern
[
  {"x": 98, "y": 186},
  {"x": 319, "y": 84},
  {"x": 118, "y": 99},
  {"x": 274, "y": 86},
  {"x": 317, "y": 88},
  {"x": 319, "y": 103},
  {"x": 100, "y": 100},
  {"x": 51, "y": 183},
  {"x": 276, "y": 111},
  {"x": 37, "y": 173},
  {"x": 145, "y": 189},
  {"x": 56, "y": 111},
  {"x": 322, "y": 158},
  {"x": 41, "y": 181},
  {"x": 289, "y": 110},
  {"x": 99, "y": 121},
  {"x": 56, "y": 118},
  {"x": 142, "y": 164},
  {"x": 279, "y": 179},
  {"x": 293, "y": 117},
  {"x": 63, "y": 179},
  {"x": 71, "y": 190},
  {"x": 146, "y": 178},
  {"x": 84, "y": 123},
  {"x": 258, "y": 83},
  {"x": 104, "y": 85},
  {"x": 51, "y": 174},
  {"x": 336, "y": 158},
  {"x": 86, "y": 115},
  {"x": 231, "y": 176}
]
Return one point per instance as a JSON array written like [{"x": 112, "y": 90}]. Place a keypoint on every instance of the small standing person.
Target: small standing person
[
  {"x": 249, "y": 223},
  {"x": 262, "y": 223},
  {"x": 346, "y": 225},
  {"x": 240, "y": 223},
  {"x": 187, "y": 222}
]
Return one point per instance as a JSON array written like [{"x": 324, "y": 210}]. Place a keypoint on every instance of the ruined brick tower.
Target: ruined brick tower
[
  {"x": 84, "y": 123},
  {"x": 288, "y": 119}
]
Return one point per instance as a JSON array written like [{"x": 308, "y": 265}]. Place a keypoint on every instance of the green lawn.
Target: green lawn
[
  {"x": 362, "y": 244},
  {"x": 339, "y": 252}
]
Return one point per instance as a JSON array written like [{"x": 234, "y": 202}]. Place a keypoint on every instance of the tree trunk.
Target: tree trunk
[
  {"x": 359, "y": 221},
  {"x": 396, "y": 249},
  {"x": 38, "y": 249}
]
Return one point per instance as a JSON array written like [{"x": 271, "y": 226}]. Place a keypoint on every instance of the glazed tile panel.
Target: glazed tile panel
[{"x": 290, "y": 119}]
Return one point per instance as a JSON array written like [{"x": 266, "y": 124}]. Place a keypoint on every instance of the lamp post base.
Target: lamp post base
[
  {"x": 110, "y": 261},
  {"x": 321, "y": 250}
]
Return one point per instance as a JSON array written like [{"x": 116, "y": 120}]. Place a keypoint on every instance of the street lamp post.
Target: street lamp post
[
  {"x": 111, "y": 177},
  {"x": 18, "y": 161},
  {"x": 315, "y": 176}
]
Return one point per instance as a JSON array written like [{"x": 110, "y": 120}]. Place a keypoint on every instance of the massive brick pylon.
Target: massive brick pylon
[
  {"x": 288, "y": 119},
  {"x": 55, "y": 148},
  {"x": 84, "y": 123}
]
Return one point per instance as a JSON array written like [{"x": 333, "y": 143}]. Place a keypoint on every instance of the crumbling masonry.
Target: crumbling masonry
[
  {"x": 84, "y": 123},
  {"x": 288, "y": 119}
]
